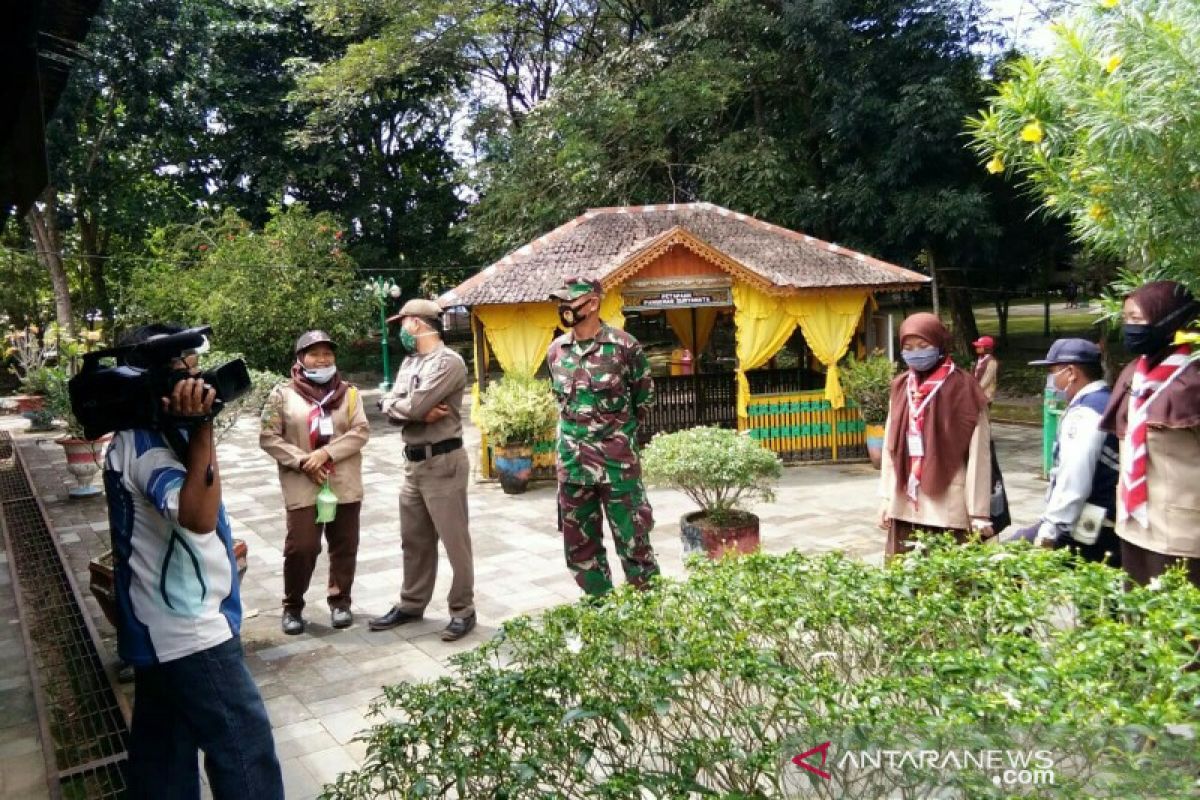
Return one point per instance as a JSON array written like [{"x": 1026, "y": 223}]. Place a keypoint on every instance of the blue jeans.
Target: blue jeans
[{"x": 206, "y": 701}]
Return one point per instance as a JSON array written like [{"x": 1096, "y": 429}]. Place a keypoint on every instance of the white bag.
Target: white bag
[{"x": 1087, "y": 527}]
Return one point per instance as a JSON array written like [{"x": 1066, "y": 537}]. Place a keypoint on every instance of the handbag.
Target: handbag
[{"x": 1001, "y": 518}]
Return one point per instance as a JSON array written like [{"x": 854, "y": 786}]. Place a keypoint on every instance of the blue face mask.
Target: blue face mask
[
  {"x": 1056, "y": 394},
  {"x": 922, "y": 360}
]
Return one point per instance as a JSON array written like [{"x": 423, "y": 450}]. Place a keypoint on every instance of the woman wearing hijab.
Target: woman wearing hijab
[
  {"x": 315, "y": 427},
  {"x": 1155, "y": 413},
  {"x": 937, "y": 472}
]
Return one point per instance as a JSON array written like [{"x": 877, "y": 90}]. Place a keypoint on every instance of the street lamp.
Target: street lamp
[{"x": 381, "y": 289}]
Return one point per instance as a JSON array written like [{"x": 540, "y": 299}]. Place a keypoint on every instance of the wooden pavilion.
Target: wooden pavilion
[{"x": 696, "y": 275}]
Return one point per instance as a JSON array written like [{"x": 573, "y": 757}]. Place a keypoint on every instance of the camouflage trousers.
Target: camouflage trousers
[{"x": 630, "y": 520}]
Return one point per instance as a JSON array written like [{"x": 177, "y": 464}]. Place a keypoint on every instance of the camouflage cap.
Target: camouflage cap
[
  {"x": 574, "y": 288},
  {"x": 310, "y": 338},
  {"x": 418, "y": 307}
]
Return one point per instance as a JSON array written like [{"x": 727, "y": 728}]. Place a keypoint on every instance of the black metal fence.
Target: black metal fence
[{"x": 685, "y": 401}]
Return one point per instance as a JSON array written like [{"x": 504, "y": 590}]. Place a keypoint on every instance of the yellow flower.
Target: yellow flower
[
  {"x": 1032, "y": 132},
  {"x": 995, "y": 165},
  {"x": 1076, "y": 174},
  {"x": 1111, "y": 65},
  {"x": 1190, "y": 338},
  {"x": 1097, "y": 212},
  {"x": 1051, "y": 200},
  {"x": 1100, "y": 188},
  {"x": 1109, "y": 3}
]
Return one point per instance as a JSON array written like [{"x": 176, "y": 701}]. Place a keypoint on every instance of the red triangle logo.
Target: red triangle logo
[{"x": 801, "y": 760}]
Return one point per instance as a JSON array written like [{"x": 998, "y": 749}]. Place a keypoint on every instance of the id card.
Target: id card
[
  {"x": 916, "y": 446},
  {"x": 325, "y": 425}
]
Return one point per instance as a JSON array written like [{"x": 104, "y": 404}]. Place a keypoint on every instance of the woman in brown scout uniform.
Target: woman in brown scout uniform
[
  {"x": 936, "y": 471},
  {"x": 1155, "y": 412},
  {"x": 315, "y": 427}
]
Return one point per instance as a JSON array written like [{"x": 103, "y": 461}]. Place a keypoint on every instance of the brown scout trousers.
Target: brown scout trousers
[
  {"x": 433, "y": 506},
  {"x": 303, "y": 545}
]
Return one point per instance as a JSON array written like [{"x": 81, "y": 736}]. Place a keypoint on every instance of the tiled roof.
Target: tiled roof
[{"x": 600, "y": 241}]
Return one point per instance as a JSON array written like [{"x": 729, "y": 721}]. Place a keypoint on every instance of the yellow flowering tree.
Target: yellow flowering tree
[{"x": 1105, "y": 131}]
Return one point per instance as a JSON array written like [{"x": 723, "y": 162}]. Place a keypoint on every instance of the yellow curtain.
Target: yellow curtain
[
  {"x": 680, "y": 321},
  {"x": 828, "y": 320},
  {"x": 610, "y": 309},
  {"x": 519, "y": 334},
  {"x": 763, "y": 327}
]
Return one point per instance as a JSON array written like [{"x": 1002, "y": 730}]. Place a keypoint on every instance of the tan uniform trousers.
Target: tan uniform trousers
[{"x": 433, "y": 506}]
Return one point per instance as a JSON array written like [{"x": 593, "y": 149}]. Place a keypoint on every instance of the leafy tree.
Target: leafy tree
[
  {"x": 1103, "y": 131},
  {"x": 259, "y": 289}
]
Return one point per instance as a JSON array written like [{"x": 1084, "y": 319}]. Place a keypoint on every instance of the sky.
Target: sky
[{"x": 1024, "y": 24}]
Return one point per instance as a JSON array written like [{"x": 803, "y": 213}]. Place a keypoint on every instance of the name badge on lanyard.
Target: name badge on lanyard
[
  {"x": 916, "y": 446},
  {"x": 325, "y": 425}
]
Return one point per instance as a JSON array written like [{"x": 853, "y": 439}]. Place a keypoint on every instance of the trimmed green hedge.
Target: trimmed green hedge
[{"x": 709, "y": 688}]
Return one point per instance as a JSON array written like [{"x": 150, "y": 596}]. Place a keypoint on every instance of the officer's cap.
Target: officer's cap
[{"x": 418, "y": 307}]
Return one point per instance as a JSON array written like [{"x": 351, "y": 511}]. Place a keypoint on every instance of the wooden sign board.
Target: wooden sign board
[{"x": 698, "y": 292}]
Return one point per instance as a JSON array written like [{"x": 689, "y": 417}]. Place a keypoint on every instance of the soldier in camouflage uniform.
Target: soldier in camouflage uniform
[{"x": 602, "y": 380}]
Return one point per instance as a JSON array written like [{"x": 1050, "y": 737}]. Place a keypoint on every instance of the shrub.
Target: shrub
[
  {"x": 719, "y": 469},
  {"x": 710, "y": 687},
  {"x": 517, "y": 409},
  {"x": 259, "y": 289},
  {"x": 868, "y": 383}
]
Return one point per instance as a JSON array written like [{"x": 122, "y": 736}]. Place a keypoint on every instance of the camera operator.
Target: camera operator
[{"x": 178, "y": 604}]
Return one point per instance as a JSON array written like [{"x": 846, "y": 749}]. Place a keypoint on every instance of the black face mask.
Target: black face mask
[
  {"x": 1145, "y": 340},
  {"x": 569, "y": 315}
]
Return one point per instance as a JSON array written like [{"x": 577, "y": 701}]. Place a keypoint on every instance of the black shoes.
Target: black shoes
[
  {"x": 396, "y": 616},
  {"x": 293, "y": 624},
  {"x": 458, "y": 628},
  {"x": 340, "y": 617}
]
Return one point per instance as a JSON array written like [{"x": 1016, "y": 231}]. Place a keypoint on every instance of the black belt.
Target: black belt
[{"x": 420, "y": 452}]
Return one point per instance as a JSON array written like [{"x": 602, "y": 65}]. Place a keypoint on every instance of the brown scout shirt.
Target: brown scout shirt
[{"x": 284, "y": 436}]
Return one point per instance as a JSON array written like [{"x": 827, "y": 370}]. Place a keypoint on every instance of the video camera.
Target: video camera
[{"x": 128, "y": 393}]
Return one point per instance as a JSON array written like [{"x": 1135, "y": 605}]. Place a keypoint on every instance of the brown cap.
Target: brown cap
[
  {"x": 418, "y": 307},
  {"x": 307, "y": 340},
  {"x": 574, "y": 288}
]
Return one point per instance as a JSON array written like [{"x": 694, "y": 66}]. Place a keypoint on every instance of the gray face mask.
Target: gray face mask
[{"x": 922, "y": 360}]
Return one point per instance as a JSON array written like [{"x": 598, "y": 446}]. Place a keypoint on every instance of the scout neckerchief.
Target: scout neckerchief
[
  {"x": 981, "y": 365},
  {"x": 919, "y": 397},
  {"x": 1147, "y": 384},
  {"x": 320, "y": 424}
]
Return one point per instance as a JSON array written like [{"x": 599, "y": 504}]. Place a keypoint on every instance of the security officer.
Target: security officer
[
  {"x": 601, "y": 378},
  {"x": 426, "y": 401},
  {"x": 1082, "y": 500}
]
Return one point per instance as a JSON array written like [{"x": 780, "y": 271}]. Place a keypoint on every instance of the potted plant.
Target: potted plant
[
  {"x": 721, "y": 471},
  {"x": 514, "y": 412},
  {"x": 83, "y": 455},
  {"x": 868, "y": 383}
]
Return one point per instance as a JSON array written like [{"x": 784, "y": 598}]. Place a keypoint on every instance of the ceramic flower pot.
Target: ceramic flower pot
[
  {"x": 514, "y": 465},
  {"x": 84, "y": 459},
  {"x": 738, "y": 535},
  {"x": 875, "y": 445}
]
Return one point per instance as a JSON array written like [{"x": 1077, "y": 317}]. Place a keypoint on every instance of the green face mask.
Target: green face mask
[{"x": 407, "y": 340}]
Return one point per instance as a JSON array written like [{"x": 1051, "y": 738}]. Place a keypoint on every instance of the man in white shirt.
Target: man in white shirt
[{"x": 1081, "y": 502}]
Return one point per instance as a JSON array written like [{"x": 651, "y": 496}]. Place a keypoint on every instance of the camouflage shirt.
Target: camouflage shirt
[{"x": 603, "y": 386}]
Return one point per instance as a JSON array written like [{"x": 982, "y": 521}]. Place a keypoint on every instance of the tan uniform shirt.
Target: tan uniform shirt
[
  {"x": 424, "y": 380},
  {"x": 284, "y": 436},
  {"x": 989, "y": 378},
  {"x": 1173, "y": 491},
  {"x": 969, "y": 495}
]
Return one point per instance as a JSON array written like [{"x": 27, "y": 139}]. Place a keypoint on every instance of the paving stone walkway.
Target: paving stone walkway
[{"x": 318, "y": 686}]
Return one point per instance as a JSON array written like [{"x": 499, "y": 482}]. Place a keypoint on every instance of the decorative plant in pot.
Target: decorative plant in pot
[
  {"x": 514, "y": 412},
  {"x": 84, "y": 456},
  {"x": 721, "y": 471},
  {"x": 868, "y": 383}
]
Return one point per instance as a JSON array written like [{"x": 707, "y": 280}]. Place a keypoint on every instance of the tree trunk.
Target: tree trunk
[
  {"x": 93, "y": 254},
  {"x": 1046, "y": 316},
  {"x": 933, "y": 286},
  {"x": 43, "y": 221},
  {"x": 962, "y": 316},
  {"x": 1002, "y": 306}
]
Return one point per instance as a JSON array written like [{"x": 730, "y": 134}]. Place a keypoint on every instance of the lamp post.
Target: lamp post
[{"x": 381, "y": 289}]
